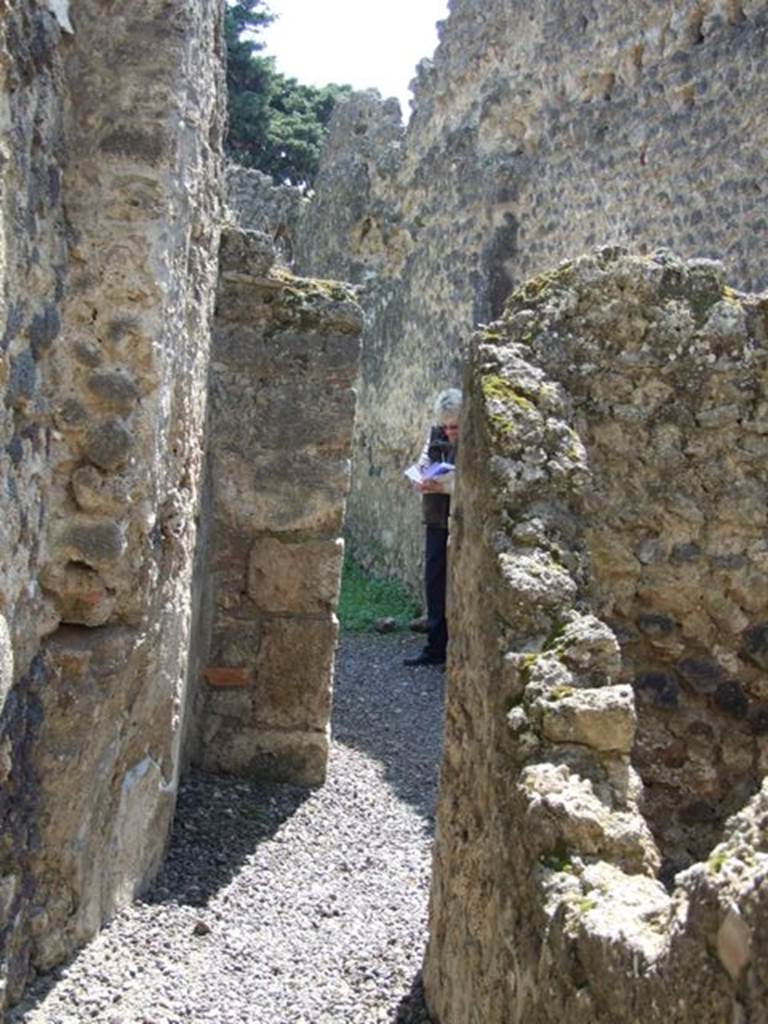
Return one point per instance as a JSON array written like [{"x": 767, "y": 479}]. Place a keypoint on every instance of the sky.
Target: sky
[{"x": 364, "y": 43}]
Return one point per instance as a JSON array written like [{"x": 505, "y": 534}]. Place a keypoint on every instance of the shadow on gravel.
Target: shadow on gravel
[
  {"x": 412, "y": 1008},
  {"x": 220, "y": 820},
  {"x": 392, "y": 713}
]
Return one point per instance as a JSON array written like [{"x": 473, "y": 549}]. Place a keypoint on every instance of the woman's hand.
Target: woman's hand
[{"x": 429, "y": 487}]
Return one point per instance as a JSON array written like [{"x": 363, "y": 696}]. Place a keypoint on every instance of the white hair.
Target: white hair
[{"x": 447, "y": 405}]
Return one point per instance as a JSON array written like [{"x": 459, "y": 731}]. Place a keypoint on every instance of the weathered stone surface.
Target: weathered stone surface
[
  {"x": 296, "y": 578},
  {"x": 109, "y": 444},
  {"x": 289, "y": 491},
  {"x": 115, "y": 389},
  {"x": 80, "y": 594},
  {"x": 285, "y": 354},
  {"x": 104, "y": 320},
  {"x": 602, "y": 719},
  {"x": 96, "y": 542},
  {"x": 539, "y": 911},
  {"x": 299, "y": 757},
  {"x": 294, "y": 673},
  {"x": 257, "y": 204},
  {"x": 537, "y": 133},
  {"x": 96, "y": 492}
]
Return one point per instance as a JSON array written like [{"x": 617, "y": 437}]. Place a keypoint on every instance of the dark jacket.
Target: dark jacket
[{"x": 437, "y": 507}]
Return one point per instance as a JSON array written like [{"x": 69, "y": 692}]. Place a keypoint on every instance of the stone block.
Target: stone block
[
  {"x": 235, "y": 643},
  {"x": 95, "y": 492},
  {"x": 269, "y": 491},
  {"x": 230, "y": 703},
  {"x": 109, "y": 444},
  {"x": 289, "y": 356},
  {"x": 702, "y": 674},
  {"x": 755, "y": 644},
  {"x": 115, "y": 389},
  {"x": 97, "y": 542},
  {"x": 534, "y": 581},
  {"x": 246, "y": 252},
  {"x": 43, "y": 329},
  {"x": 734, "y": 943},
  {"x": 81, "y": 595},
  {"x": 22, "y": 379},
  {"x": 730, "y": 697},
  {"x": 301, "y": 578},
  {"x": 296, "y": 757},
  {"x": 282, "y": 416},
  {"x": 603, "y": 719},
  {"x": 293, "y": 676},
  {"x": 660, "y": 687}
]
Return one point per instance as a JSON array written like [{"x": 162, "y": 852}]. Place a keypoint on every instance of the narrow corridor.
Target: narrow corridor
[{"x": 283, "y": 905}]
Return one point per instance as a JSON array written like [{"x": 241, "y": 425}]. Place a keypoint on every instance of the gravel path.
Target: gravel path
[{"x": 279, "y": 904}]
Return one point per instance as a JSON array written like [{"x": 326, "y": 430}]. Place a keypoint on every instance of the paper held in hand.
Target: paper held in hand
[{"x": 419, "y": 475}]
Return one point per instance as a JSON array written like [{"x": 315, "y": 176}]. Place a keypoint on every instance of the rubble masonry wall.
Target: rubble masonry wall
[{"x": 606, "y": 705}]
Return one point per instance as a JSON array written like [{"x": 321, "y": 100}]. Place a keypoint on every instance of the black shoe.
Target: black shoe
[{"x": 423, "y": 659}]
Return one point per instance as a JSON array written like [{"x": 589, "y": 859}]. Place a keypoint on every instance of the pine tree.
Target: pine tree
[{"x": 276, "y": 124}]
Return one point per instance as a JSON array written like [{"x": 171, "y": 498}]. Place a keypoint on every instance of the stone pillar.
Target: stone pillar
[
  {"x": 608, "y": 567},
  {"x": 285, "y": 359}
]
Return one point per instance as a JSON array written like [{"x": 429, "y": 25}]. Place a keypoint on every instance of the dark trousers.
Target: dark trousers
[{"x": 435, "y": 576}]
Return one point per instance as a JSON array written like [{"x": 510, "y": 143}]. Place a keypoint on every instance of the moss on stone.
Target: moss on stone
[
  {"x": 584, "y": 904},
  {"x": 528, "y": 661},
  {"x": 489, "y": 335},
  {"x": 559, "y": 692},
  {"x": 717, "y": 860},
  {"x": 496, "y": 388},
  {"x": 536, "y": 287},
  {"x": 308, "y": 288},
  {"x": 559, "y": 859}
]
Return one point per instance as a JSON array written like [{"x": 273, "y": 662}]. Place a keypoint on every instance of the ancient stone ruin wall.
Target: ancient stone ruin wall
[
  {"x": 541, "y": 129},
  {"x": 285, "y": 356},
  {"x": 111, "y": 129},
  {"x": 606, "y": 707},
  {"x": 255, "y": 203}
]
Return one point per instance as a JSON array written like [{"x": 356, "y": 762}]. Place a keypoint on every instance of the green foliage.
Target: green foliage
[
  {"x": 364, "y": 599},
  {"x": 276, "y": 124}
]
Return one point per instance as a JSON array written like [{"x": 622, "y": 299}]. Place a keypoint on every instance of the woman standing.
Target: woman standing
[{"x": 441, "y": 447}]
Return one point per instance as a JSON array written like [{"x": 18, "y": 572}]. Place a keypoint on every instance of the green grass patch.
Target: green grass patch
[{"x": 365, "y": 598}]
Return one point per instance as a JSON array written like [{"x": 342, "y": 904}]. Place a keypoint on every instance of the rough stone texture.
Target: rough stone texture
[
  {"x": 110, "y": 129},
  {"x": 255, "y": 203},
  {"x": 609, "y": 537},
  {"x": 285, "y": 356},
  {"x": 540, "y": 130}
]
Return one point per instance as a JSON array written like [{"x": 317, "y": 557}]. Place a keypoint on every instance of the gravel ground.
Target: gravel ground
[{"x": 279, "y": 904}]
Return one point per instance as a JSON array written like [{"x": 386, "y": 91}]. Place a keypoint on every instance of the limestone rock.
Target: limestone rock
[
  {"x": 297, "y": 578},
  {"x": 602, "y": 719}
]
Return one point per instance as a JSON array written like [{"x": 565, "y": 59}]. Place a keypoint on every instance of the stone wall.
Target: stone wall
[
  {"x": 110, "y": 137},
  {"x": 606, "y": 706},
  {"x": 255, "y": 203},
  {"x": 285, "y": 357},
  {"x": 540, "y": 130}
]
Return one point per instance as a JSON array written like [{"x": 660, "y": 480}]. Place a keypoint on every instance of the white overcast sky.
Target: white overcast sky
[{"x": 365, "y": 43}]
